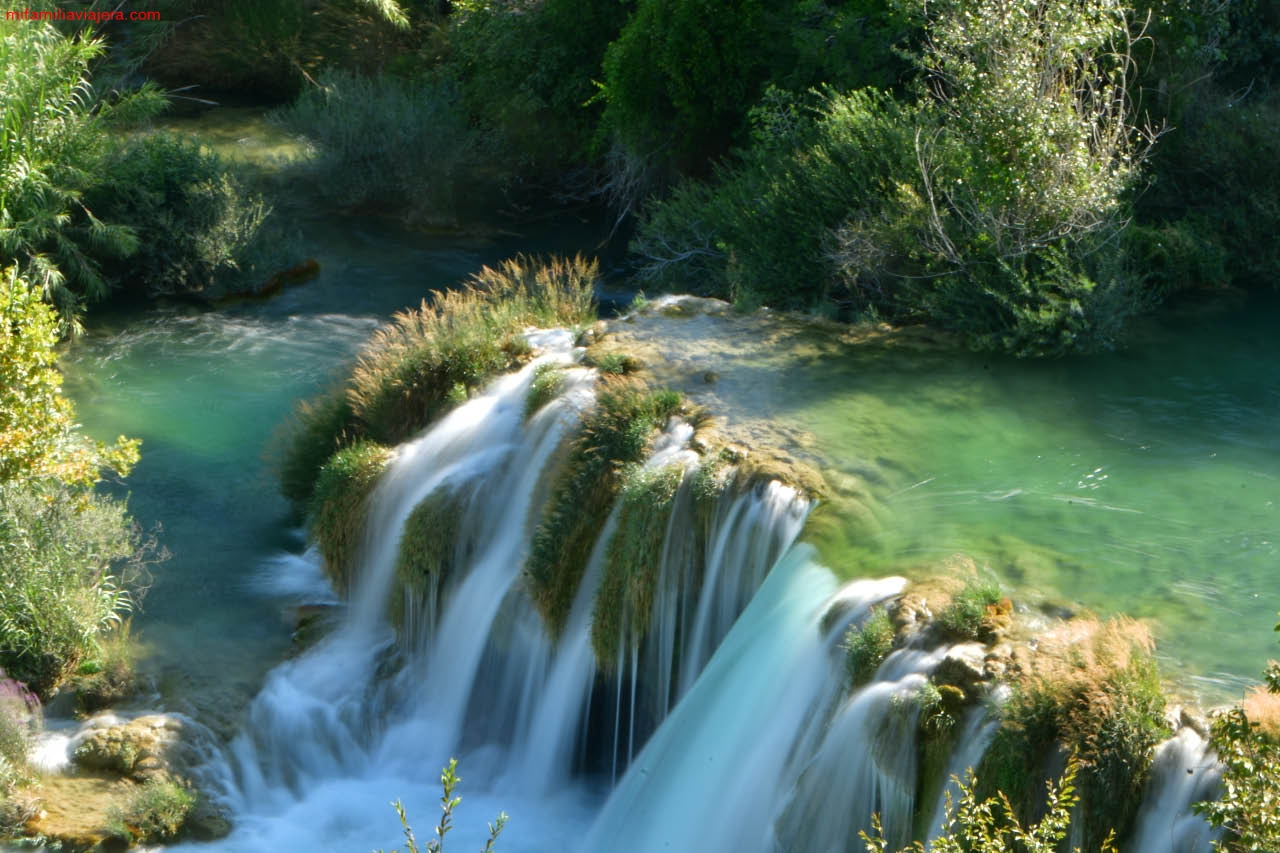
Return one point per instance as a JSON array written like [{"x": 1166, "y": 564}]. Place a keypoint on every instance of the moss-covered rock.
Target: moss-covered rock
[
  {"x": 340, "y": 504},
  {"x": 615, "y": 433},
  {"x": 633, "y": 560},
  {"x": 428, "y": 548}
]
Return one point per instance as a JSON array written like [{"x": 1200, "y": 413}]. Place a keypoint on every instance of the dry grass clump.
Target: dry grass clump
[
  {"x": 1262, "y": 707},
  {"x": 1090, "y": 689}
]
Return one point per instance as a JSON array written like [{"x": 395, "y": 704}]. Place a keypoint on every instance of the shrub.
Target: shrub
[
  {"x": 388, "y": 145},
  {"x": 339, "y": 506},
  {"x": 529, "y": 72},
  {"x": 52, "y": 139},
  {"x": 19, "y": 723},
  {"x": 198, "y": 226},
  {"x": 992, "y": 826},
  {"x": 866, "y": 646},
  {"x": 681, "y": 74},
  {"x": 971, "y": 612},
  {"x": 760, "y": 232},
  {"x": 74, "y": 565},
  {"x": 156, "y": 812},
  {"x": 1091, "y": 691},
  {"x": 614, "y": 434},
  {"x": 633, "y": 560}
]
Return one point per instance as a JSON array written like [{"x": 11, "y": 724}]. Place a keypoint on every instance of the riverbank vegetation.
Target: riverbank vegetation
[{"x": 1029, "y": 176}]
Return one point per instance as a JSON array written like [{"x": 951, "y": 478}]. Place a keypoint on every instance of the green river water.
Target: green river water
[{"x": 1143, "y": 482}]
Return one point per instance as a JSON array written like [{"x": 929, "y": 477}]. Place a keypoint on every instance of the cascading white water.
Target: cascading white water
[
  {"x": 1184, "y": 772},
  {"x": 739, "y": 673},
  {"x": 709, "y": 778},
  {"x": 359, "y": 719},
  {"x": 866, "y": 764}
]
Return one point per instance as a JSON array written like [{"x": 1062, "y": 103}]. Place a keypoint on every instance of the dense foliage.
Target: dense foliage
[{"x": 70, "y": 556}]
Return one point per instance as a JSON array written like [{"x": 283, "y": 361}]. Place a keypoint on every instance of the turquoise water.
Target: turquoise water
[{"x": 1145, "y": 481}]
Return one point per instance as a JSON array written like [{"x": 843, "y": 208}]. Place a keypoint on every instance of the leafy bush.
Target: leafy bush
[
  {"x": 528, "y": 72},
  {"x": 759, "y": 234},
  {"x": 989, "y": 207},
  {"x": 156, "y": 812},
  {"x": 682, "y": 73},
  {"x": 1092, "y": 691},
  {"x": 866, "y": 646},
  {"x": 992, "y": 826},
  {"x": 388, "y": 145},
  {"x": 614, "y": 434},
  {"x": 198, "y": 225},
  {"x": 71, "y": 560},
  {"x": 19, "y": 723},
  {"x": 339, "y": 506},
  {"x": 318, "y": 428}
]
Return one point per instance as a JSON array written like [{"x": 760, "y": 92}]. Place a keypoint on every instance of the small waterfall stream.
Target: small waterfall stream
[{"x": 726, "y": 726}]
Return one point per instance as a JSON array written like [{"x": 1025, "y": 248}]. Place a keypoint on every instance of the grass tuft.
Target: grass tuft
[
  {"x": 867, "y": 645},
  {"x": 428, "y": 360}
]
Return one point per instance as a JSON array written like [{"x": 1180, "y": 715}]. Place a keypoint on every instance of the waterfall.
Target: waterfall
[
  {"x": 369, "y": 714},
  {"x": 723, "y": 725},
  {"x": 1185, "y": 772}
]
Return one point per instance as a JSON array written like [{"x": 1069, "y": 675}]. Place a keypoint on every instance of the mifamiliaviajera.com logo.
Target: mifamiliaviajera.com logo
[{"x": 69, "y": 15}]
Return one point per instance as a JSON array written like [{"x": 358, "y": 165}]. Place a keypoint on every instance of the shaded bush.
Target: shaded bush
[
  {"x": 19, "y": 724},
  {"x": 614, "y": 434},
  {"x": 528, "y": 73},
  {"x": 339, "y": 506},
  {"x": 198, "y": 226},
  {"x": 317, "y": 429},
  {"x": 682, "y": 73},
  {"x": 1091, "y": 690},
  {"x": 389, "y": 145}
]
